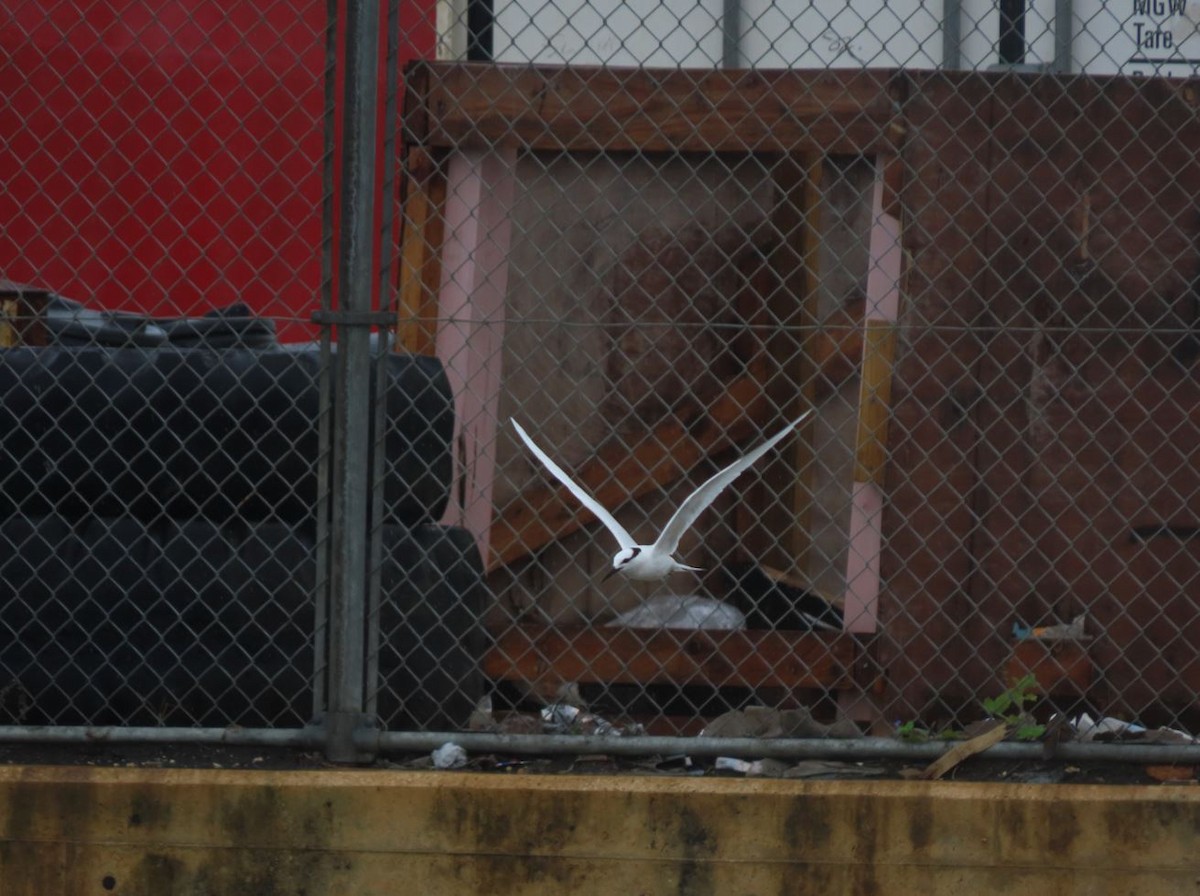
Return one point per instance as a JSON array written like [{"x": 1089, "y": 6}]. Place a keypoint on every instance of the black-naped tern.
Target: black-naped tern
[{"x": 648, "y": 563}]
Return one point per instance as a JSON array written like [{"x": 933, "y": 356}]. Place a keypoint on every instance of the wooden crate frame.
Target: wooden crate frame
[{"x": 465, "y": 123}]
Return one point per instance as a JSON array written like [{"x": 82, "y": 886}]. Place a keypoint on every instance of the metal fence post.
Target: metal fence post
[{"x": 356, "y": 268}]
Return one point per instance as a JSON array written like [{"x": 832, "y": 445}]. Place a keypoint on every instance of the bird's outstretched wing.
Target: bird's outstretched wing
[
  {"x": 624, "y": 539},
  {"x": 690, "y": 509}
]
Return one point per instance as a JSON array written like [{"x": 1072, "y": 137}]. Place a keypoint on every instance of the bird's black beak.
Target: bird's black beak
[{"x": 608, "y": 575}]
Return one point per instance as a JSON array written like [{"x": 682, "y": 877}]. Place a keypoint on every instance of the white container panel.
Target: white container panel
[
  {"x": 827, "y": 34},
  {"x": 609, "y": 32}
]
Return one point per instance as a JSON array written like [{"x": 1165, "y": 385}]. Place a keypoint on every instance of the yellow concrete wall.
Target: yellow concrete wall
[{"x": 84, "y": 830}]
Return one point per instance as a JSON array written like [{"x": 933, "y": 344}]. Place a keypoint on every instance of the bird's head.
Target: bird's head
[{"x": 621, "y": 559}]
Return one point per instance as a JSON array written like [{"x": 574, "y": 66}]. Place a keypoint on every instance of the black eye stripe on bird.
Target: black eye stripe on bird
[{"x": 648, "y": 563}]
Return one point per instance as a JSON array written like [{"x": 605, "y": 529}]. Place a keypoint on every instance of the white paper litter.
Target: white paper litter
[
  {"x": 745, "y": 767},
  {"x": 449, "y": 756},
  {"x": 563, "y": 718},
  {"x": 682, "y": 611},
  {"x": 1090, "y": 729}
]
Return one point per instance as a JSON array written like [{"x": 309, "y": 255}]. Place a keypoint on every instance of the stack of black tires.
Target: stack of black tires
[{"x": 158, "y": 526}]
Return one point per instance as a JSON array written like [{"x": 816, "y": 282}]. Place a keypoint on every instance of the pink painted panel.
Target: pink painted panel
[
  {"x": 866, "y": 513},
  {"x": 471, "y": 311}
]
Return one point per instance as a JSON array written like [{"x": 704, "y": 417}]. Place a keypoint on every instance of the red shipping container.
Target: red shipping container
[{"x": 167, "y": 157}]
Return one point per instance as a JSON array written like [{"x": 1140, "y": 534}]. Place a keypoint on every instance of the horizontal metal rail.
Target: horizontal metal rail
[
  {"x": 560, "y": 744},
  {"x": 762, "y": 748},
  {"x": 232, "y": 736}
]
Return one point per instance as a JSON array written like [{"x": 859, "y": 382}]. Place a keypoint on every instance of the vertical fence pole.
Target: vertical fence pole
[
  {"x": 1063, "y": 15},
  {"x": 324, "y": 402},
  {"x": 952, "y": 34},
  {"x": 389, "y": 197},
  {"x": 351, "y": 436},
  {"x": 731, "y": 33}
]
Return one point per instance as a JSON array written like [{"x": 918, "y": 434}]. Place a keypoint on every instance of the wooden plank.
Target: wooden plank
[
  {"x": 893, "y": 186},
  {"x": 882, "y": 307},
  {"x": 22, "y": 315},
  {"x": 589, "y": 109},
  {"x": 422, "y": 228},
  {"x": 835, "y": 349},
  {"x": 874, "y": 401},
  {"x": 752, "y": 659},
  {"x": 963, "y": 750},
  {"x": 414, "y": 119},
  {"x": 471, "y": 303}
]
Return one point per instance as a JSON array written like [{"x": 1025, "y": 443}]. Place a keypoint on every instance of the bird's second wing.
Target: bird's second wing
[
  {"x": 624, "y": 539},
  {"x": 690, "y": 509}
]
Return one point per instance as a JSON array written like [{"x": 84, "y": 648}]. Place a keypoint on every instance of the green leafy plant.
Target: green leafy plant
[
  {"x": 1020, "y": 693},
  {"x": 910, "y": 732},
  {"x": 913, "y": 733},
  {"x": 1010, "y": 706}
]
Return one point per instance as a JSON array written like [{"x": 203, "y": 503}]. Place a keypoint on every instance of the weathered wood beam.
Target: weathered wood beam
[
  {"x": 22, "y": 315},
  {"x": 421, "y": 231},
  {"x": 752, "y": 659},
  {"x": 590, "y": 109},
  {"x": 470, "y": 332},
  {"x": 863, "y": 582}
]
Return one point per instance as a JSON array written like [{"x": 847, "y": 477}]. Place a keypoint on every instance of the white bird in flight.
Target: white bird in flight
[{"x": 651, "y": 562}]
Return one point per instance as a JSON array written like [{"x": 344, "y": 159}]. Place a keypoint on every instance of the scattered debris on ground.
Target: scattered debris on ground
[
  {"x": 1008, "y": 716},
  {"x": 979, "y": 768}
]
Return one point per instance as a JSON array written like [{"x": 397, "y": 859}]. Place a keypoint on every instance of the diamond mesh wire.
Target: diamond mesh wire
[
  {"x": 961, "y": 234},
  {"x": 169, "y": 234},
  {"x": 975, "y": 262}
]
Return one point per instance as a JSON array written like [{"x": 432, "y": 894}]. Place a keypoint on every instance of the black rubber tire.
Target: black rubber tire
[
  {"x": 120, "y": 622},
  {"x": 222, "y": 435}
]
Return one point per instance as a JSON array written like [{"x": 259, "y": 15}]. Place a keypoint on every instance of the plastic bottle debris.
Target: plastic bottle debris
[
  {"x": 563, "y": 718},
  {"x": 1069, "y": 631},
  {"x": 481, "y": 718},
  {"x": 559, "y": 717},
  {"x": 682, "y": 611},
  {"x": 730, "y": 764},
  {"x": 1106, "y": 728},
  {"x": 1111, "y": 729},
  {"x": 449, "y": 755}
]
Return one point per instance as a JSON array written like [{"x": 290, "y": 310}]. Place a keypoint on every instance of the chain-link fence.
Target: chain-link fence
[
  {"x": 186, "y": 376},
  {"x": 934, "y": 264}
]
